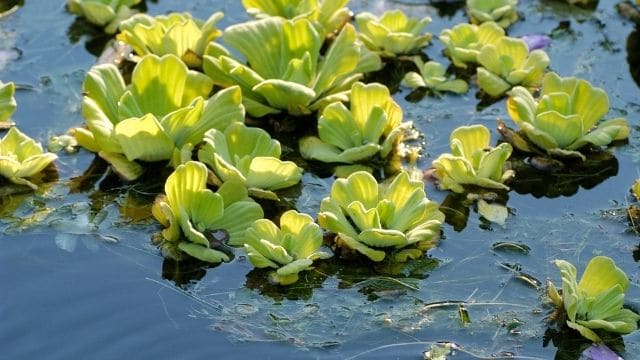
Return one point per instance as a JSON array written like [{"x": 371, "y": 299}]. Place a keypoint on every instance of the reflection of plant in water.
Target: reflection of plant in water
[
  {"x": 393, "y": 33},
  {"x": 104, "y": 13},
  {"x": 456, "y": 208}
]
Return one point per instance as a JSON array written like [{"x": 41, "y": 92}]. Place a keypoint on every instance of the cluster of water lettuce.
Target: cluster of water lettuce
[{"x": 156, "y": 119}]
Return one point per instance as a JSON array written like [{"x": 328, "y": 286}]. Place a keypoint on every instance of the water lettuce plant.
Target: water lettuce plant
[
  {"x": 433, "y": 76},
  {"x": 565, "y": 117},
  {"x": 289, "y": 249},
  {"x": 371, "y": 218},
  {"x": 464, "y": 41},
  {"x": 595, "y": 303},
  {"x": 176, "y": 33},
  {"x": 160, "y": 116},
  {"x": 251, "y": 157},
  {"x": 328, "y": 16},
  {"x": 190, "y": 213},
  {"x": 371, "y": 126},
  {"x": 508, "y": 63},
  {"x": 503, "y": 12},
  {"x": 473, "y": 161},
  {"x": 104, "y": 13},
  {"x": 7, "y": 101},
  {"x": 393, "y": 33},
  {"x": 290, "y": 74},
  {"x": 22, "y": 157}
]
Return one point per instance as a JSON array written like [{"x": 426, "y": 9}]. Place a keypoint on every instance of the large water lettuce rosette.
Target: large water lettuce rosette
[{"x": 393, "y": 33}]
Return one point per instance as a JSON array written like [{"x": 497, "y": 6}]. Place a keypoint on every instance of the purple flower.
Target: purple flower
[
  {"x": 536, "y": 41},
  {"x": 599, "y": 352}
]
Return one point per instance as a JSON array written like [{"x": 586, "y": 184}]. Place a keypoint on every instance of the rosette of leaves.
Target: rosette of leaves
[
  {"x": 7, "y": 103},
  {"x": 508, "y": 63},
  {"x": 464, "y": 41},
  {"x": 104, "y": 13},
  {"x": 289, "y": 249},
  {"x": 394, "y": 33},
  {"x": 596, "y": 302},
  {"x": 160, "y": 116},
  {"x": 249, "y": 156},
  {"x": 177, "y": 33},
  {"x": 22, "y": 157},
  {"x": 190, "y": 213},
  {"x": 473, "y": 161},
  {"x": 371, "y": 126},
  {"x": 370, "y": 218},
  {"x": 432, "y": 75},
  {"x": 503, "y": 12},
  {"x": 286, "y": 71},
  {"x": 565, "y": 117},
  {"x": 328, "y": 16}
]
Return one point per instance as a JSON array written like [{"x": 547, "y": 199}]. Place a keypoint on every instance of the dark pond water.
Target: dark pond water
[{"x": 80, "y": 278}]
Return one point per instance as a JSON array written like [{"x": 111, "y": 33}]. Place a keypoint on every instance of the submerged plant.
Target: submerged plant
[
  {"x": 372, "y": 126},
  {"x": 393, "y": 33},
  {"x": 7, "y": 102},
  {"x": 473, "y": 161},
  {"x": 21, "y": 157},
  {"x": 596, "y": 302},
  {"x": 508, "y": 63},
  {"x": 190, "y": 214},
  {"x": 289, "y": 249},
  {"x": 177, "y": 33},
  {"x": 464, "y": 41},
  {"x": 286, "y": 71},
  {"x": 433, "y": 76},
  {"x": 565, "y": 116},
  {"x": 328, "y": 16},
  {"x": 371, "y": 218},
  {"x": 503, "y": 12},
  {"x": 105, "y": 13},
  {"x": 249, "y": 156},
  {"x": 160, "y": 116}
]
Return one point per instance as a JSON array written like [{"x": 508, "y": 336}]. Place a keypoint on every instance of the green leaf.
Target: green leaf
[
  {"x": 202, "y": 253},
  {"x": 7, "y": 102},
  {"x": 144, "y": 139}
]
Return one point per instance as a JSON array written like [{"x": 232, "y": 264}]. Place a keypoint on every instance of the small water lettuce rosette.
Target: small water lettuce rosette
[
  {"x": 565, "y": 117},
  {"x": 288, "y": 249},
  {"x": 104, "y": 13},
  {"x": 160, "y": 116},
  {"x": 328, "y": 16},
  {"x": 508, "y": 63},
  {"x": 372, "y": 126},
  {"x": 463, "y": 42},
  {"x": 503, "y": 12},
  {"x": 191, "y": 213},
  {"x": 432, "y": 75},
  {"x": 7, "y": 103},
  {"x": 176, "y": 33},
  {"x": 393, "y": 33},
  {"x": 22, "y": 157},
  {"x": 289, "y": 75},
  {"x": 595, "y": 304},
  {"x": 473, "y": 161},
  {"x": 373, "y": 219},
  {"x": 249, "y": 156}
]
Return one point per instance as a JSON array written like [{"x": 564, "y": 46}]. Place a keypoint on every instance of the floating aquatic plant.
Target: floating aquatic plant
[
  {"x": 565, "y": 116},
  {"x": 508, "y": 63},
  {"x": 251, "y": 157},
  {"x": 372, "y": 126},
  {"x": 22, "y": 157},
  {"x": 596, "y": 302},
  {"x": 177, "y": 33},
  {"x": 503, "y": 12},
  {"x": 105, "y": 13},
  {"x": 464, "y": 41},
  {"x": 190, "y": 214},
  {"x": 7, "y": 102},
  {"x": 160, "y": 116},
  {"x": 394, "y": 33},
  {"x": 289, "y": 249},
  {"x": 286, "y": 71},
  {"x": 473, "y": 161},
  {"x": 433, "y": 76},
  {"x": 371, "y": 218},
  {"x": 328, "y": 16}
]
